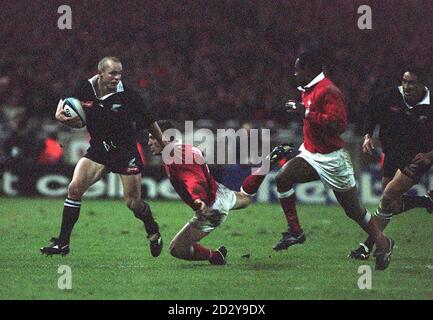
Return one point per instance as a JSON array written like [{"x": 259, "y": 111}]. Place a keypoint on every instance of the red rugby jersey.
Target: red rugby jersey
[
  {"x": 191, "y": 181},
  {"x": 324, "y": 103}
]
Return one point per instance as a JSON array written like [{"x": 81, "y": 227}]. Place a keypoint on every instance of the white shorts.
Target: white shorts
[
  {"x": 335, "y": 169},
  {"x": 216, "y": 214}
]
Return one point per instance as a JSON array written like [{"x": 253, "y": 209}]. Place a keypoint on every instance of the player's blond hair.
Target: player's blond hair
[{"x": 102, "y": 64}]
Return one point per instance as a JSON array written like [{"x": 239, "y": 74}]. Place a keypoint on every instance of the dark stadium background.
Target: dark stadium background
[
  {"x": 220, "y": 63},
  {"x": 223, "y": 64}
]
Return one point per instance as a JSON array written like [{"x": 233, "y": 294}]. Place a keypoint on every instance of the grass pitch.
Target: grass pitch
[{"x": 110, "y": 258}]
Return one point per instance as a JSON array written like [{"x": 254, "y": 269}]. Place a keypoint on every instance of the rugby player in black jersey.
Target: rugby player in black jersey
[
  {"x": 114, "y": 115},
  {"x": 404, "y": 115}
]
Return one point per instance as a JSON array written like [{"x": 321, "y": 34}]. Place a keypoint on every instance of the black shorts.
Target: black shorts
[
  {"x": 125, "y": 161},
  {"x": 393, "y": 162}
]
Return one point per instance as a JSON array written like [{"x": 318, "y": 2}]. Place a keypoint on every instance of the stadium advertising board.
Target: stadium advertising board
[{"x": 53, "y": 182}]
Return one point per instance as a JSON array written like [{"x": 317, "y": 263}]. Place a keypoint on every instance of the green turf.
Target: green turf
[{"x": 110, "y": 257}]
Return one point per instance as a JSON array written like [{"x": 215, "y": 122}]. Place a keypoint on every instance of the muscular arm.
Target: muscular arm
[{"x": 155, "y": 131}]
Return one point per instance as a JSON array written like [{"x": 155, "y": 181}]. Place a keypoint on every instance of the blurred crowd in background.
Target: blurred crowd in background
[{"x": 229, "y": 62}]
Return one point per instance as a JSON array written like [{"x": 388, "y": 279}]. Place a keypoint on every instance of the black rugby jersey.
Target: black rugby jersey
[
  {"x": 113, "y": 119},
  {"x": 403, "y": 129}
]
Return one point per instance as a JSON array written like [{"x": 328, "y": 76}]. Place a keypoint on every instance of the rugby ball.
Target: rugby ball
[{"x": 72, "y": 107}]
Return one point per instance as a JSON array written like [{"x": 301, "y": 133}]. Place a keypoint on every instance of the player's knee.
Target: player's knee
[
  {"x": 75, "y": 191},
  {"x": 389, "y": 201},
  {"x": 243, "y": 201},
  {"x": 177, "y": 250},
  {"x": 173, "y": 249},
  {"x": 283, "y": 182},
  {"x": 246, "y": 201},
  {"x": 134, "y": 204}
]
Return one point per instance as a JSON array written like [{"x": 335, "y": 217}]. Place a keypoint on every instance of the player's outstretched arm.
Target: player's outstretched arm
[
  {"x": 73, "y": 122},
  {"x": 156, "y": 132}
]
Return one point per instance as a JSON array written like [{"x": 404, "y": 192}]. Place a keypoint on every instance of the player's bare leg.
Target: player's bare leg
[
  {"x": 385, "y": 181},
  {"x": 242, "y": 201},
  {"x": 141, "y": 210},
  {"x": 185, "y": 246},
  {"x": 391, "y": 204},
  {"x": 350, "y": 203},
  {"x": 181, "y": 245},
  {"x": 86, "y": 173},
  {"x": 251, "y": 184},
  {"x": 391, "y": 200},
  {"x": 297, "y": 170}
]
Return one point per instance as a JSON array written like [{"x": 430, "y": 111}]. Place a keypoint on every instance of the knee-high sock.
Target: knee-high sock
[
  {"x": 382, "y": 218},
  {"x": 200, "y": 252},
  {"x": 288, "y": 204},
  {"x": 251, "y": 184},
  {"x": 71, "y": 212},
  {"x": 146, "y": 216}
]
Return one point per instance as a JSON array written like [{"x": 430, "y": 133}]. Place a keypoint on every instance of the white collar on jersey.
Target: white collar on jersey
[
  {"x": 425, "y": 100},
  {"x": 313, "y": 82},
  {"x": 92, "y": 81}
]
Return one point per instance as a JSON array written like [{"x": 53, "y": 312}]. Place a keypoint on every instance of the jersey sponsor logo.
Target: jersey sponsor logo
[
  {"x": 87, "y": 104},
  {"x": 115, "y": 107}
]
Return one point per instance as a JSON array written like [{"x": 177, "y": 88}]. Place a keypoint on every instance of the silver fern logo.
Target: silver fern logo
[{"x": 115, "y": 107}]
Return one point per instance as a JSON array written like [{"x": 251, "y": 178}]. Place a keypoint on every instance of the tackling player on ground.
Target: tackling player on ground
[
  {"x": 405, "y": 118},
  {"x": 114, "y": 114},
  {"x": 323, "y": 157},
  {"x": 210, "y": 200}
]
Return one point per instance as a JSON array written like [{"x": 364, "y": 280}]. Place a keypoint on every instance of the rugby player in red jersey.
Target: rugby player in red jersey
[
  {"x": 323, "y": 157},
  {"x": 210, "y": 200}
]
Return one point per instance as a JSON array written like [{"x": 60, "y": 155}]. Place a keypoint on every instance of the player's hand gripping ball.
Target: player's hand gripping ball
[{"x": 72, "y": 108}]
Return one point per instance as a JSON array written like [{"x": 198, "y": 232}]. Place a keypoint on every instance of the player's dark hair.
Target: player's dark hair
[
  {"x": 311, "y": 61},
  {"x": 419, "y": 71},
  {"x": 166, "y": 124}
]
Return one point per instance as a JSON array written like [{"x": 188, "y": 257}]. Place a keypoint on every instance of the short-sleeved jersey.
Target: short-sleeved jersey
[
  {"x": 191, "y": 181},
  {"x": 112, "y": 120},
  {"x": 324, "y": 103},
  {"x": 403, "y": 129}
]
